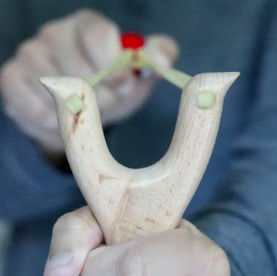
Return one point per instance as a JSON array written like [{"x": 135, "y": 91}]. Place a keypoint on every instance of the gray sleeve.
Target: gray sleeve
[
  {"x": 243, "y": 221},
  {"x": 29, "y": 186}
]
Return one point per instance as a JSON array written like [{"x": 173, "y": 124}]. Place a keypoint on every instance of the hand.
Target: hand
[
  {"x": 76, "y": 249},
  {"x": 78, "y": 45}
]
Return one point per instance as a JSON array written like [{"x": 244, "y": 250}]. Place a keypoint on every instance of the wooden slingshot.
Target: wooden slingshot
[{"x": 129, "y": 203}]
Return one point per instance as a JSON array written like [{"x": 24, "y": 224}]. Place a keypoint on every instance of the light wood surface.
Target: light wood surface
[{"x": 129, "y": 203}]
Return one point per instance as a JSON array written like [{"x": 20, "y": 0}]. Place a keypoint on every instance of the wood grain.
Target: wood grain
[{"x": 129, "y": 203}]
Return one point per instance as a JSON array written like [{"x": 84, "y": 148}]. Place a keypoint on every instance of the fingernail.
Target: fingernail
[
  {"x": 59, "y": 260},
  {"x": 157, "y": 54},
  {"x": 166, "y": 45}
]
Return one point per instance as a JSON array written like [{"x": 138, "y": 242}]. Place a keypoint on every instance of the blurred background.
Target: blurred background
[
  {"x": 214, "y": 36},
  {"x": 5, "y": 233}
]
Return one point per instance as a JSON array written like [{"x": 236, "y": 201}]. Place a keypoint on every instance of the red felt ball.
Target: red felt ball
[{"x": 132, "y": 41}]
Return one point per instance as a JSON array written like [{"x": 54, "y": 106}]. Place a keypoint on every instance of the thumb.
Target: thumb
[
  {"x": 100, "y": 40},
  {"x": 74, "y": 236},
  {"x": 163, "y": 49}
]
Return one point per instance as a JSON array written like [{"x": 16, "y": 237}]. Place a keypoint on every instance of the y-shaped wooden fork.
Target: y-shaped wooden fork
[{"x": 129, "y": 203}]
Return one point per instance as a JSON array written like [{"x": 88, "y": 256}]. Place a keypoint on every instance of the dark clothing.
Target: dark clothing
[{"x": 235, "y": 204}]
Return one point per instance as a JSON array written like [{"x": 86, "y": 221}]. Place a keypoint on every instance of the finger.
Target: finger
[
  {"x": 164, "y": 50},
  {"x": 142, "y": 256},
  {"x": 107, "y": 261},
  {"x": 21, "y": 102},
  {"x": 19, "y": 93},
  {"x": 74, "y": 236},
  {"x": 100, "y": 41},
  {"x": 106, "y": 100},
  {"x": 21, "y": 99},
  {"x": 126, "y": 105},
  {"x": 169, "y": 253},
  {"x": 178, "y": 252},
  {"x": 35, "y": 57},
  {"x": 62, "y": 39}
]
